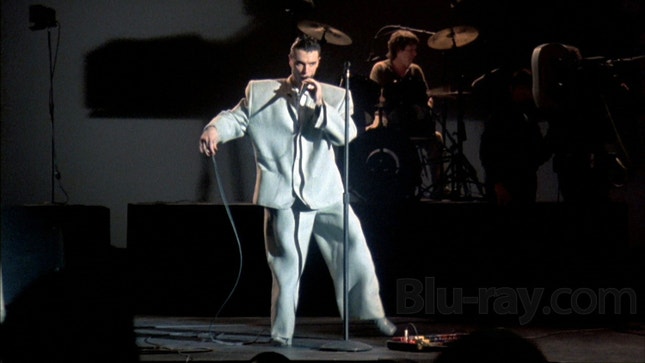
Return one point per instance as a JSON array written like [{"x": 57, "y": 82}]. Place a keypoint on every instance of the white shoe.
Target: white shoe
[
  {"x": 385, "y": 326},
  {"x": 280, "y": 342}
]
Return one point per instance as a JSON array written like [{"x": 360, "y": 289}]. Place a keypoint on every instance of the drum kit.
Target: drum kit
[{"x": 386, "y": 165}]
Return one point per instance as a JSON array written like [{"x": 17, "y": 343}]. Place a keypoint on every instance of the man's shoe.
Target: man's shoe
[
  {"x": 385, "y": 326},
  {"x": 280, "y": 342}
]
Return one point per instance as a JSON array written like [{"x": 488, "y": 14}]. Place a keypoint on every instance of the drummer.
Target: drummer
[{"x": 405, "y": 104}]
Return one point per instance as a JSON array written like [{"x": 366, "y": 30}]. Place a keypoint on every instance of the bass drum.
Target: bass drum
[{"x": 383, "y": 167}]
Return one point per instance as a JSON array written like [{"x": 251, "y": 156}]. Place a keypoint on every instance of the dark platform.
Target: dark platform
[
  {"x": 565, "y": 278},
  {"x": 186, "y": 257}
]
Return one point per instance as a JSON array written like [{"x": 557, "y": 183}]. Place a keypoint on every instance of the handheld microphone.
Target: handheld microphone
[{"x": 304, "y": 87}]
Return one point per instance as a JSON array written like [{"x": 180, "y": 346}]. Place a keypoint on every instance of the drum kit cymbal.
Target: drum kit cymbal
[
  {"x": 452, "y": 37},
  {"x": 445, "y": 39},
  {"x": 324, "y": 33}
]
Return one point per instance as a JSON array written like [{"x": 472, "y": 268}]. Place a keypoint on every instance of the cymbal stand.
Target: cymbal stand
[
  {"x": 460, "y": 173},
  {"x": 428, "y": 184}
]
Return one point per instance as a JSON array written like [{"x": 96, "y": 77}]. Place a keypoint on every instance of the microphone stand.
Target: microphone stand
[
  {"x": 401, "y": 27},
  {"x": 346, "y": 345}
]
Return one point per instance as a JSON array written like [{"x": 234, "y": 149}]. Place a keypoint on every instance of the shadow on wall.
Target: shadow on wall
[
  {"x": 186, "y": 76},
  {"x": 160, "y": 78}
]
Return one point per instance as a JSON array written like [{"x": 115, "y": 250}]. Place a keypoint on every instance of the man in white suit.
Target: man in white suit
[{"x": 294, "y": 124}]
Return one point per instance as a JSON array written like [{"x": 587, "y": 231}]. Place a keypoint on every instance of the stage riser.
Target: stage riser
[
  {"x": 186, "y": 259},
  {"x": 64, "y": 287},
  {"x": 41, "y": 239}
]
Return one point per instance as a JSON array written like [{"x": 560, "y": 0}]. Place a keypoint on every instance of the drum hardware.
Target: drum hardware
[
  {"x": 453, "y": 37},
  {"x": 460, "y": 175},
  {"x": 385, "y": 167},
  {"x": 428, "y": 186},
  {"x": 383, "y": 161},
  {"x": 425, "y": 187},
  {"x": 442, "y": 93},
  {"x": 324, "y": 33}
]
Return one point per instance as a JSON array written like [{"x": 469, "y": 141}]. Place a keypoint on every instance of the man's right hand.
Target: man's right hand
[{"x": 208, "y": 141}]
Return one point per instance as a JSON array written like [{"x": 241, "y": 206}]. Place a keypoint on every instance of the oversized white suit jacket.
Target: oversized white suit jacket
[{"x": 294, "y": 154}]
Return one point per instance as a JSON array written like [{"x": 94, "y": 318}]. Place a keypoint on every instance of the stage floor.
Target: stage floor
[{"x": 183, "y": 339}]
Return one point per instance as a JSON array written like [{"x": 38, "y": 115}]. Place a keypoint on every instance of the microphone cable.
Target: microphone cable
[{"x": 211, "y": 333}]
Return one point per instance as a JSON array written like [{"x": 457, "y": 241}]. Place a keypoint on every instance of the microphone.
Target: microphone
[
  {"x": 304, "y": 87},
  {"x": 301, "y": 91}
]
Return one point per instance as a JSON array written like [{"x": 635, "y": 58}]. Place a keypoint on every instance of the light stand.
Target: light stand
[
  {"x": 42, "y": 17},
  {"x": 346, "y": 345},
  {"x": 54, "y": 172}
]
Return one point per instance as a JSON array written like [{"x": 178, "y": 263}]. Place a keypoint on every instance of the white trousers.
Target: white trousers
[{"x": 287, "y": 234}]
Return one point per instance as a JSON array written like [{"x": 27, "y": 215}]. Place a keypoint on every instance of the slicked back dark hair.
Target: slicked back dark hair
[{"x": 306, "y": 43}]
